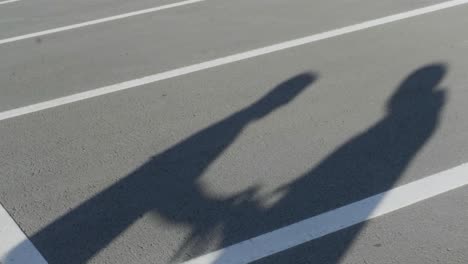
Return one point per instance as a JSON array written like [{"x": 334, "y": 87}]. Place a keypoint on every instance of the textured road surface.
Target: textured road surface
[{"x": 179, "y": 168}]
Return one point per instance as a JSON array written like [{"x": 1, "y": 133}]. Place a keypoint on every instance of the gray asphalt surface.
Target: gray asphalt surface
[
  {"x": 24, "y": 17},
  {"x": 61, "y": 64},
  {"x": 179, "y": 168}
]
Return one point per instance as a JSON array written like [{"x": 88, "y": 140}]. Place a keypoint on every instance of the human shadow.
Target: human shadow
[
  {"x": 367, "y": 164},
  {"x": 167, "y": 185}
]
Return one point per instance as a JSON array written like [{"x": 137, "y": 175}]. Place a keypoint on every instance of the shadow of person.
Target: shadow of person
[
  {"x": 367, "y": 164},
  {"x": 372, "y": 161},
  {"x": 166, "y": 184}
]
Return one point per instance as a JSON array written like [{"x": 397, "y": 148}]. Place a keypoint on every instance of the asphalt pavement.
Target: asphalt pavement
[{"x": 171, "y": 170}]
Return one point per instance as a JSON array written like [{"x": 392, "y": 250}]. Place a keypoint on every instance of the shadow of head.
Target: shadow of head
[
  {"x": 418, "y": 92},
  {"x": 281, "y": 95}
]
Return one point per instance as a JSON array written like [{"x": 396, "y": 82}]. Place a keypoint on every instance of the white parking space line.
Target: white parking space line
[
  {"x": 8, "y": 1},
  {"x": 15, "y": 248},
  {"x": 335, "y": 220},
  {"x": 224, "y": 60},
  {"x": 98, "y": 21}
]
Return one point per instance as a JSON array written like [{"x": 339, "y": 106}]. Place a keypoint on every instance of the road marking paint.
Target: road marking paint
[
  {"x": 8, "y": 1},
  {"x": 335, "y": 220},
  {"x": 223, "y": 60},
  {"x": 15, "y": 247},
  {"x": 98, "y": 21}
]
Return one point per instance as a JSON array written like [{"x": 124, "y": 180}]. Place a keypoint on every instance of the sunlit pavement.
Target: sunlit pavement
[{"x": 215, "y": 131}]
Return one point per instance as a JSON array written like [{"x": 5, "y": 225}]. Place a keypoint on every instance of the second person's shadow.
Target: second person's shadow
[{"x": 367, "y": 164}]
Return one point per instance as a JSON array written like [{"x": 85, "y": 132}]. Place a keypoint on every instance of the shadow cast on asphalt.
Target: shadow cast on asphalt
[{"x": 168, "y": 185}]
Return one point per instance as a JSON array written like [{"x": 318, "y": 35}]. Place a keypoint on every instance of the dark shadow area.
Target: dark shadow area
[
  {"x": 367, "y": 164},
  {"x": 166, "y": 184}
]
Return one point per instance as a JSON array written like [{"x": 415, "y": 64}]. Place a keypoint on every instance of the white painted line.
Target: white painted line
[
  {"x": 223, "y": 61},
  {"x": 8, "y": 1},
  {"x": 98, "y": 21},
  {"x": 343, "y": 217},
  {"x": 15, "y": 248}
]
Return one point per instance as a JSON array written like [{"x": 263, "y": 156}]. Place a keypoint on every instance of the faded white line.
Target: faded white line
[
  {"x": 8, "y": 1},
  {"x": 335, "y": 220},
  {"x": 15, "y": 248},
  {"x": 224, "y": 60},
  {"x": 98, "y": 21}
]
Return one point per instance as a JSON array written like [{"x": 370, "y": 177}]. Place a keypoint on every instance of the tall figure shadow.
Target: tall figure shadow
[
  {"x": 167, "y": 185},
  {"x": 367, "y": 164}
]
